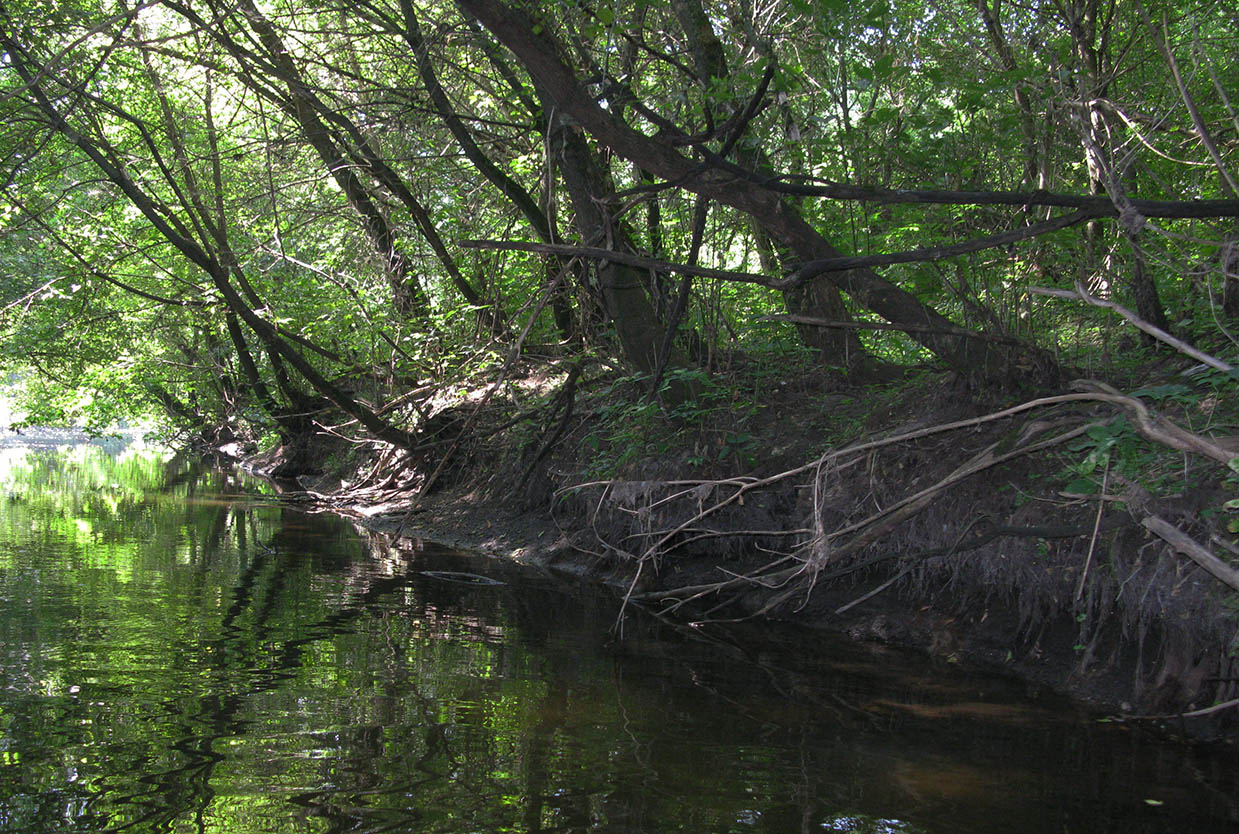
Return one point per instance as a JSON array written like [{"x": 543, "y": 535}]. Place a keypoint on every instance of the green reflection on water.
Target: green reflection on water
[{"x": 179, "y": 652}]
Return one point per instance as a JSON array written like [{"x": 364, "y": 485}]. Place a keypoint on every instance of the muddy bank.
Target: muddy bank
[{"x": 968, "y": 531}]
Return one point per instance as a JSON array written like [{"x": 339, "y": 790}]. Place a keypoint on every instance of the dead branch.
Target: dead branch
[
  {"x": 812, "y": 269},
  {"x": 795, "y": 318},
  {"x": 756, "y": 577},
  {"x": 1196, "y": 713},
  {"x": 1081, "y": 294},
  {"x": 1154, "y": 428},
  {"x": 1192, "y": 549}
]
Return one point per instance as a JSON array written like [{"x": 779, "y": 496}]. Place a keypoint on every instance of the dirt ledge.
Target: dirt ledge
[{"x": 1141, "y": 633}]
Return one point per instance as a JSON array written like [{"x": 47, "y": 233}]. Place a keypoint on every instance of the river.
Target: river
[{"x": 180, "y": 651}]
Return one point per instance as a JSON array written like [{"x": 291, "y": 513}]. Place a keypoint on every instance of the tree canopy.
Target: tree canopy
[{"x": 241, "y": 214}]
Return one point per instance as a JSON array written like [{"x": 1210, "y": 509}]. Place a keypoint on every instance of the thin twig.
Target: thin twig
[{"x": 1092, "y": 542}]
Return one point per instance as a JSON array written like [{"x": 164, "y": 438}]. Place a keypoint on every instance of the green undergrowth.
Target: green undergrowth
[{"x": 713, "y": 431}]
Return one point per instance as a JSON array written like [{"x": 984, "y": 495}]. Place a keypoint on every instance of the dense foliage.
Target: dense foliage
[{"x": 242, "y": 214}]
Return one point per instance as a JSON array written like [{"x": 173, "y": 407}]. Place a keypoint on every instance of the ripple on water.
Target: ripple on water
[{"x": 176, "y": 658}]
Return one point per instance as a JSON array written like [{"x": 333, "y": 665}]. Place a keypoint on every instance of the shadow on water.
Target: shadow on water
[{"x": 183, "y": 653}]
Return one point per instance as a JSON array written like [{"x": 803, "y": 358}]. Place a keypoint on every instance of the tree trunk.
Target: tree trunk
[
  {"x": 978, "y": 359},
  {"x": 1230, "y": 280},
  {"x": 623, "y": 287},
  {"x": 817, "y": 299}
]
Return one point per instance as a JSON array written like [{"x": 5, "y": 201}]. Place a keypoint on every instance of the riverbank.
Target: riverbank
[{"x": 1028, "y": 536}]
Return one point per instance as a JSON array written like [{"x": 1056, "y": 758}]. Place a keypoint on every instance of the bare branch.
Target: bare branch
[
  {"x": 876, "y": 325},
  {"x": 626, "y": 258},
  {"x": 936, "y": 253},
  {"x": 1192, "y": 549},
  {"x": 1181, "y": 209},
  {"x": 1081, "y": 294}
]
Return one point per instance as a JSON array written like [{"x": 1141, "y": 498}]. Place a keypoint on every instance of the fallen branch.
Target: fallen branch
[
  {"x": 1081, "y": 294},
  {"x": 1154, "y": 428},
  {"x": 1196, "y": 713},
  {"x": 1192, "y": 549}
]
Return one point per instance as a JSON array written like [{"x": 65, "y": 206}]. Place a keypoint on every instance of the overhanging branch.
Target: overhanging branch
[
  {"x": 1177, "y": 209},
  {"x": 936, "y": 253},
  {"x": 626, "y": 258},
  {"x": 808, "y": 270}
]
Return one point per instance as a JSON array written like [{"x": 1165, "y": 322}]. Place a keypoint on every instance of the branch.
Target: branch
[
  {"x": 807, "y": 270},
  {"x": 1179, "y": 209},
  {"x": 875, "y": 325},
  {"x": 625, "y": 258},
  {"x": 936, "y": 253},
  {"x": 1192, "y": 549},
  {"x": 1081, "y": 294},
  {"x": 1162, "y": 40}
]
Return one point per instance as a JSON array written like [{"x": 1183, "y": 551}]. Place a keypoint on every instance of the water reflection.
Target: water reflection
[{"x": 183, "y": 653}]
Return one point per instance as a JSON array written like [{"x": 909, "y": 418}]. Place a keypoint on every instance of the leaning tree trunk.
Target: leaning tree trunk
[
  {"x": 817, "y": 299},
  {"x": 623, "y": 287},
  {"x": 978, "y": 358}
]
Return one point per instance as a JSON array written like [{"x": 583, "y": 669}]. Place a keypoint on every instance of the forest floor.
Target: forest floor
[{"x": 1028, "y": 536}]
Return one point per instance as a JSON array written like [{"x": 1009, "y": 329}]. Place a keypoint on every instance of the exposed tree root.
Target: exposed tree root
[{"x": 671, "y": 515}]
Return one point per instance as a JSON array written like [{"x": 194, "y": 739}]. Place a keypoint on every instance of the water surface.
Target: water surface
[{"x": 180, "y": 652}]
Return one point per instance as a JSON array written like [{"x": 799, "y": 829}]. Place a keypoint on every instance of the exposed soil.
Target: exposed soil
[{"x": 848, "y": 511}]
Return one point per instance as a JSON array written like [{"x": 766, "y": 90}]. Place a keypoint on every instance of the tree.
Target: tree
[{"x": 971, "y": 355}]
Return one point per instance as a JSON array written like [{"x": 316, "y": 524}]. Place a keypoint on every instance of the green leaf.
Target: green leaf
[
  {"x": 1161, "y": 392},
  {"x": 1081, "y": 486}
]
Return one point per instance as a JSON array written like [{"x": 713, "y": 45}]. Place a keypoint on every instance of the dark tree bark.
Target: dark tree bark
[
  {"x": 248, "y": 367},
  {"x": 818, "y": 299},
  {"x": 623, "y": 287},
  {"x": 1230, "y": 280},
  {"x": 977, "y": 359}
]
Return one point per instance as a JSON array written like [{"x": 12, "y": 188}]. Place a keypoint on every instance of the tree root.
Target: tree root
[{"x": 796, "y": 572}]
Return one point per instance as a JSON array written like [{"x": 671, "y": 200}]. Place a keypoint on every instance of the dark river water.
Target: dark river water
[{"x": 180, "y": 652}]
